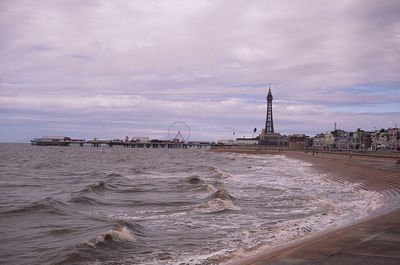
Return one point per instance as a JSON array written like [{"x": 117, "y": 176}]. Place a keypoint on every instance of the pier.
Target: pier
[{"x": 67, "y": 141}]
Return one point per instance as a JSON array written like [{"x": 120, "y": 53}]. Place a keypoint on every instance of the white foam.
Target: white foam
[
  {"x": 216, "y": 205},
  {"x": 335, "y": 204},
  {"x": 222, "y": 174},
  {"x": 117, "y": 234},
  {"x": 122, "y": 234}
]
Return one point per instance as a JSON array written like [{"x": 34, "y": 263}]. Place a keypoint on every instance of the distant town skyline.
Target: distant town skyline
[{"x": 111, "y": 69}]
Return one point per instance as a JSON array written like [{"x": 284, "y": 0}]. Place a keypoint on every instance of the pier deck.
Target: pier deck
[{"x": 66, "y": 141}]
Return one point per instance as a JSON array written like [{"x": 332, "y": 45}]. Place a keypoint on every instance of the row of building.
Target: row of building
[{"x": 384, "y": 139}]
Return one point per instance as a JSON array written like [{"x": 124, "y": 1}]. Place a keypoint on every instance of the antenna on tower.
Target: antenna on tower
[
  {"x": 334, "y": 126},
  {"x": 269, "y": 88}
]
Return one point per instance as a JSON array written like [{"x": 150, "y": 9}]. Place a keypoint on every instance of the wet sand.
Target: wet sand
[{"x": 374, "y": 240}]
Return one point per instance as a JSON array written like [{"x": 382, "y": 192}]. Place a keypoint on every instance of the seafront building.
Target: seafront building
[
  {"x": 380, "y": 140},
  {"x": 361, "y": 140},
  {"x": 394, "y": 138},
  {"x": 324, "y": 140},
  {"x": 383, "y": 139},
  {"x": 341, "y": 139},
  {"x": 298, "y": 142}
]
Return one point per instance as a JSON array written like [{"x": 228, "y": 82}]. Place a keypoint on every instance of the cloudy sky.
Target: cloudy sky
[{"x": 115, "y": 68}]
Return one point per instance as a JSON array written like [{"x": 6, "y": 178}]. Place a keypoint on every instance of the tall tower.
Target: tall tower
[{"x": 269, "y": 123}]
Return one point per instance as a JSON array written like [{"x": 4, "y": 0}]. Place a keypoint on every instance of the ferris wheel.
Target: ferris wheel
[{"x": 179, "y": 131}]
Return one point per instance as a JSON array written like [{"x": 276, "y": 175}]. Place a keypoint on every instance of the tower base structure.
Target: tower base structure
[{"x": 273, "y": 140}]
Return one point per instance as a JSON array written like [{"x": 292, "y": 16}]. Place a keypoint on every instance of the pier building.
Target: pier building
[{"x": 56, "y": 141}]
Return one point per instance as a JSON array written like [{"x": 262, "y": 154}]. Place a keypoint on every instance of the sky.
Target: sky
[{"x": 110, "y": 69}]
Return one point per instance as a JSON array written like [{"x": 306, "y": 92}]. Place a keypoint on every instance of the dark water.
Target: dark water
[{"x": 74, "y": 205}]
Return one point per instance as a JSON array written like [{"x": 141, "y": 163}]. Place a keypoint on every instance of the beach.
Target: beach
[{"x": 373, "y": 240}]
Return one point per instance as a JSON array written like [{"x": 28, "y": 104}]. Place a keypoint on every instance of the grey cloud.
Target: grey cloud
[{"x": 215, "y": 57}]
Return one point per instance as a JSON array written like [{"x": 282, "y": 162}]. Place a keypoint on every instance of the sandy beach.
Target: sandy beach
[{"x": 374, "y": 240}]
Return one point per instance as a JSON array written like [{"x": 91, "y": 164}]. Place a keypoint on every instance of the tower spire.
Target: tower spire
[{"x": 269, "y": 123}]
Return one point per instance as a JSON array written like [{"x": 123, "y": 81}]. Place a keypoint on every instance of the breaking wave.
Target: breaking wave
[
  {"x": 218, "y": 173},
  {"x": 220, "y": 201},
  {"x": 97, "y": 187},
  {"x": 206, "y": 188},
  {"x": 121, "y": 232},
  {"x": 121, "y": 235},
  {"x": 222, "y": 194}
]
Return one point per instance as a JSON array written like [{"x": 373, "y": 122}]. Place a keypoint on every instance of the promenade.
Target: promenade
[{"x": 374, "y": 242}]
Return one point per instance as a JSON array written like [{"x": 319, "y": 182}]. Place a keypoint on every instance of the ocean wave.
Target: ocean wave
[
  {"x": 47, "y": 205},
  {"x": 222, "y": 194},
  {"x": 80, "y": 199},
  {"x": 116, "y": 234},
  {"x": 216, "y": 206},
  {"x": 206, "y": 188},
  {"x": 101, "y": 248},
  {"x": 98, "y": 187},
  {"x": 194, "y": 180},
  {"x": 198, "y": 185},
  {"x": 115, "y": 177},
  {"x": 218, "y": 173},
  {"x": 123, "y": 231},
  {"x": 220, "y": 201},
  {"x": 138, "y": 171},
  {"x": 74, "y": 257}
]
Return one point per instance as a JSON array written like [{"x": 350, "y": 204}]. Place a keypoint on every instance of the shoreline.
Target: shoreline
[{"x": 370, "y": 240}]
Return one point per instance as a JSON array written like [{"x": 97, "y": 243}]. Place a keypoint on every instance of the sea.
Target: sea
[{"x": 102, "y": 205}]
